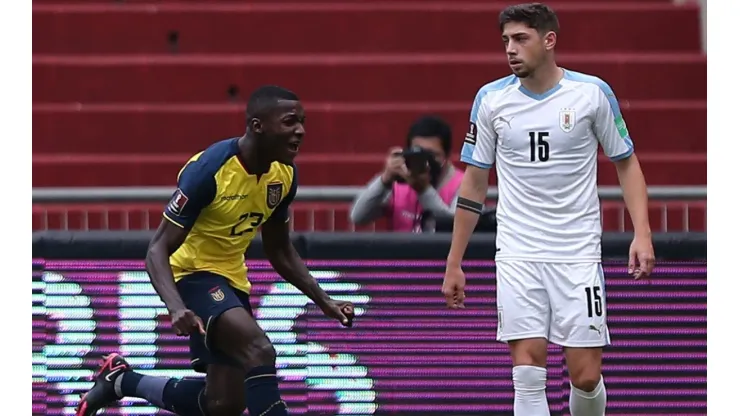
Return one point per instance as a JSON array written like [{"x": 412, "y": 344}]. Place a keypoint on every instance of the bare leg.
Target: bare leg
[
  {"x": 237, "y": 336},
  {"x": 587, "y": 392},
  {"x": 529, "y": 357}
]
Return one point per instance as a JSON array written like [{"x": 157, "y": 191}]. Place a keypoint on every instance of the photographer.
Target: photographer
[{"x": 418, "y": 184}]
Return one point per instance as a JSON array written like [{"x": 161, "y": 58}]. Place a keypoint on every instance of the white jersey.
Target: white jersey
[{"x": 545, "y": 149}]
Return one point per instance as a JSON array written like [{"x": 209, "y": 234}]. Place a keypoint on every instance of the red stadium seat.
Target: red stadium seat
[
  {"x": 360, "y": 78},
  {"x": 352, "y": 28},
  {"x": 330, "y": 128},
  {"x": 124, "y": 91}
]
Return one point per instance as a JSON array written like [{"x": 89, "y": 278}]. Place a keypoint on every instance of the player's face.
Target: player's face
[
  {"x": 433, "y": 145},
  {"x": 283, "y": 131},
  {"x": 526, "y": 49}
]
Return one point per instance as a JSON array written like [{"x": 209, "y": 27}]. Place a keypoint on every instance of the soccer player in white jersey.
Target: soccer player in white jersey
[{"x": 542, "y": 127}]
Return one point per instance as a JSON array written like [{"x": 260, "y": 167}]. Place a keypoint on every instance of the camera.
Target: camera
[{"x": 419, "y": 160}]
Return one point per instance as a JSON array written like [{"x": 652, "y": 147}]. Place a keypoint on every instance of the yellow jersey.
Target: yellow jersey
[{"x": 223, "y": 206}]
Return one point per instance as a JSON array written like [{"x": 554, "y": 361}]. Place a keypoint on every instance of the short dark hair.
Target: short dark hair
[
  {"x": 431, "y": 126},
  {"x": 537, "y": 16},
  {"x": 264, "y": 99}
]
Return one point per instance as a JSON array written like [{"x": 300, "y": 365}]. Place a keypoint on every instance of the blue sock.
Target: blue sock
[
  {"x": 185, "y": 397},
  {"x": 180, "y": 396},
  {"x": 263, "y": 396}
]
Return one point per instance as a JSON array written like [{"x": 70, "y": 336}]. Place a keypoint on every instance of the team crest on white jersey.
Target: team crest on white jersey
[{"x": 567, "y": 119}]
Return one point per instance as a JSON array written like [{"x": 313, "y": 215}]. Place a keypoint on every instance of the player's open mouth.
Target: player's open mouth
[{"x": 293, "y": 147}]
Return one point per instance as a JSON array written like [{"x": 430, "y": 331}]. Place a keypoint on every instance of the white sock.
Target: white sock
[
  {"x": 529, "y": 391},
  {"x": 591, "y": 403}
]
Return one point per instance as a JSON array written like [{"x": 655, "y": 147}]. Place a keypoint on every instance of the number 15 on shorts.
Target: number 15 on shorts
[{"x": 593, "y": 301}]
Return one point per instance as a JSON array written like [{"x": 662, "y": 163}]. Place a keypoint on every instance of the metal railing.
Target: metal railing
[
  {"x": 311, "y": 193},
  {"x": 320, "y": 208}
]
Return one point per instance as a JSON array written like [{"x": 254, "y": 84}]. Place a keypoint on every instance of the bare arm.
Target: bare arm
[
  {"x": 196, "y": 189},
  {"x": 287, "y": 263},
  {"x": 472, "y": 196},
  {"x": 167, "y": 239},
  {"x": 612, "y": 132},
  {"x": 613, "y": 135},
  {"x": 479, "y": 153},
  {"x": 635, "y": 193}
]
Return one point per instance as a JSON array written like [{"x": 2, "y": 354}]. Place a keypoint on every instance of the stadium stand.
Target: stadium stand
[{"x": 124, "y": 91}]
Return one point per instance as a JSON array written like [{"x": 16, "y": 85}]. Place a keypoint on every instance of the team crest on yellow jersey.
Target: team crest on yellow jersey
[{"x": 274, "y": 194}]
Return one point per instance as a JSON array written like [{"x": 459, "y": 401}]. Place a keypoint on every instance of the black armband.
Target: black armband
[{"x": 470, "y": 205}]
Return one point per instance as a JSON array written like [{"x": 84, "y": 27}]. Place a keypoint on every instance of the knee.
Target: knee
[
  {"x": 529, "y": 379},
  {"x": 225, "y": 406},
  {"x": 529, "y": 352},
  {"x": 586, "y": 380},
  {"x": 259, "y": 352},
  {"x": 585, "y": 369}
]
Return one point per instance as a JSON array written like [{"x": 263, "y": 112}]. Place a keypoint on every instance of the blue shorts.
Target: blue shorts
[{"x": 209, "y": 295}]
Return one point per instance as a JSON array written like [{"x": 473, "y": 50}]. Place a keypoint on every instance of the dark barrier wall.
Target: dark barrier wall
[
  {"x": 406, "y": 355},
  {"x": 132, "y": 245}
]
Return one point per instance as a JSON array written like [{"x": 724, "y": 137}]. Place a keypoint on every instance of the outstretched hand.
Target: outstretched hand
[
  {"x": 342, "y": 311},
  {"x": 186, "y": 322}
]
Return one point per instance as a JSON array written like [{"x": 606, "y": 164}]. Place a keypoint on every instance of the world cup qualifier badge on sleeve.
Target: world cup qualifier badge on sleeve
[
  {"x": 274, "y": 194},
  {"x": 472, "y": 135},
  {"x": 178, "y": 202}
]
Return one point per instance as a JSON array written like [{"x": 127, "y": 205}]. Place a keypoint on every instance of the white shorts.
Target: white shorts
[{"x": 563, "y": 302}]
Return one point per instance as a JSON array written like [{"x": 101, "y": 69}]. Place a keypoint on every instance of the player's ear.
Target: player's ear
[
  {"x": 550, "y": 40},
  {"x": 255, "y": 125}
]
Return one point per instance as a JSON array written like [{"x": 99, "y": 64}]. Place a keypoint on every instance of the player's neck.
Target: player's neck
[
  {"x": 249, "y": 158},
  {"x": 544, "y": 79}
]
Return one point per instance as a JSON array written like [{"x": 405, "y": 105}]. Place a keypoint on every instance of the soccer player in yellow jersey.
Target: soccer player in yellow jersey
[{"x": 196, "y": 263}]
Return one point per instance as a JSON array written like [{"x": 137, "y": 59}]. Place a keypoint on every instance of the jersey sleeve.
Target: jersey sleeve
[
  {"x": 196, "y": 189},
  {"x": 282, "y": 212},
  {"x": 479, "y": 147},
  {"x": 609, "y": 126}
]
